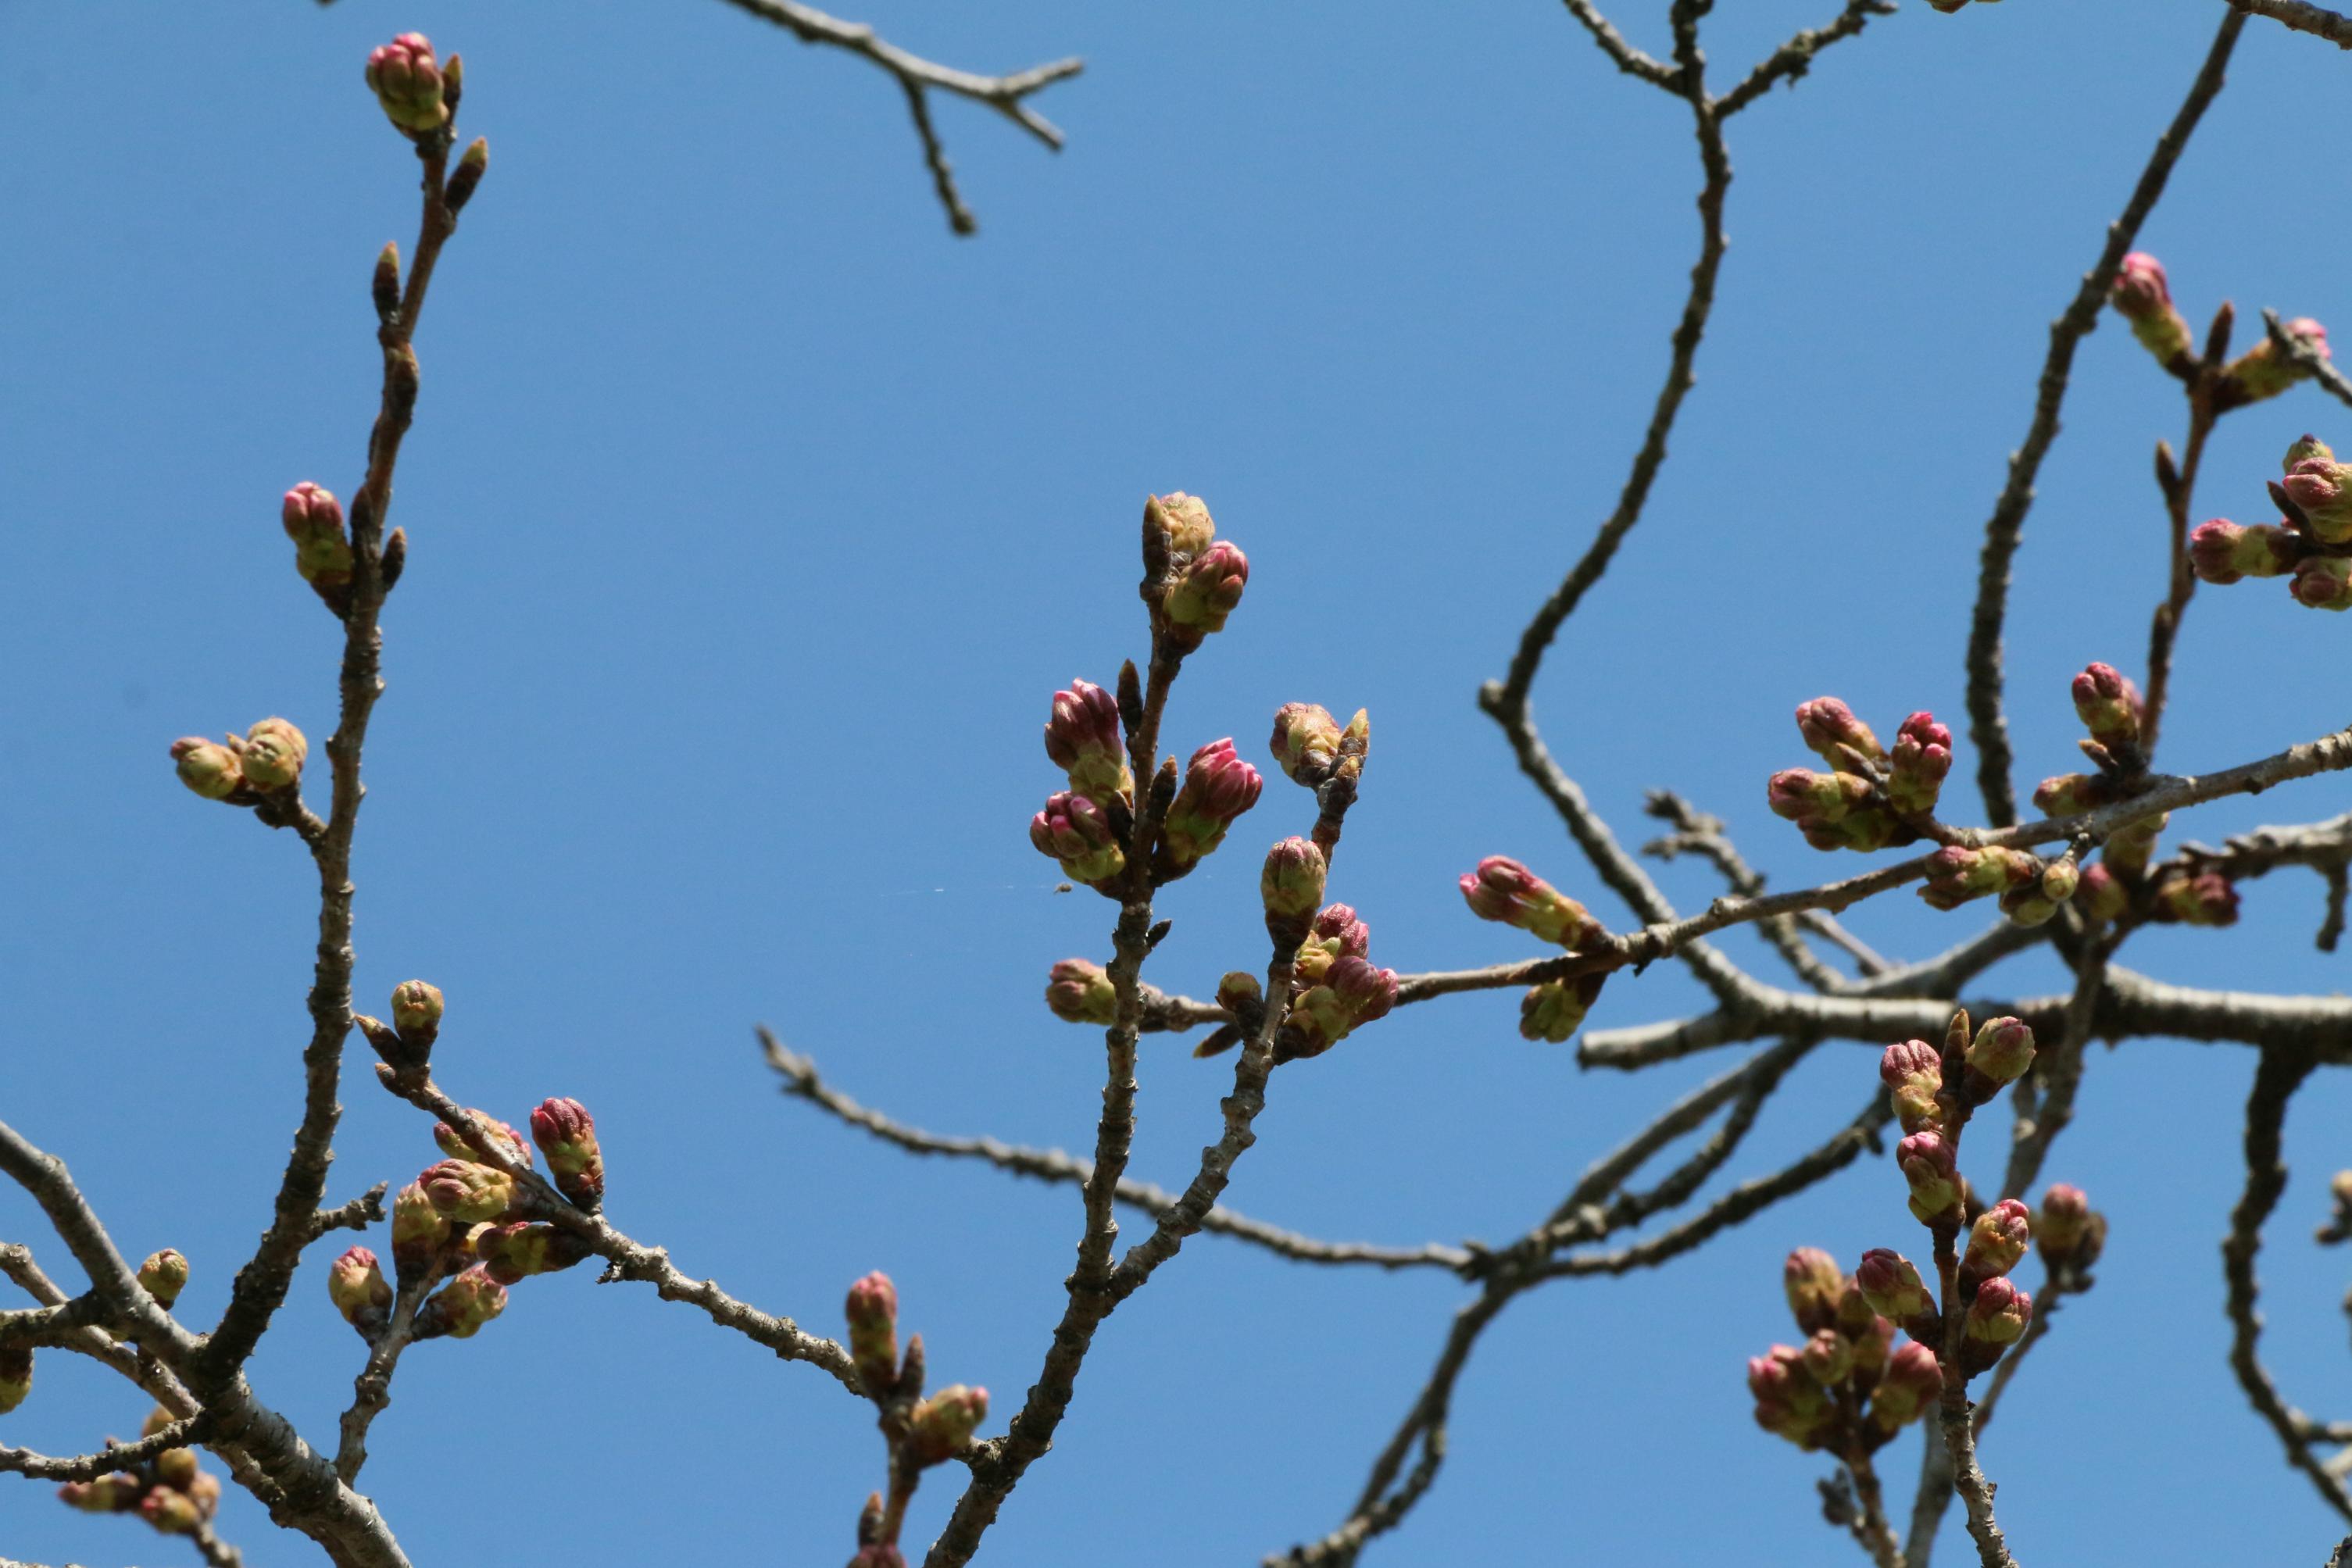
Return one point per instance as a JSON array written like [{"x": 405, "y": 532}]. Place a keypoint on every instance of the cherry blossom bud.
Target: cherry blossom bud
[
  {"x": 313, "y": 519},
  {"x": 1789, "y": 1403},
  {"x": 416, "y": 1009},
  {"x": 1080, "y": 992},
  {"x": 1082, "y": 737},
  {"x": 941, "y": 1427},
  {"x": 1292, "y": 882},
  {"x": 1996, "y": 1242},
  {"x": 1181, "y": 522},
  {"x": 2100, "y": 897},
  {"x": 472, "y": 166},
  {"x": 1354, "y": 992},
  {"x": 1928, "y": 1164},
  {"x": 2322, "y": 489},
  {"x": 566, "y": 1134},
  {"x": 2072, "y": 1233},
  {"x": 1336, "y": 933},
  {"x": 170, "y": 1511},
  {"x": 2002, "y": 1050},
  {"x": 1922, "y": 756},
  {"x": 407, "y": 82},
  {"x": 1830, "y": 730},
  {"x": 2262, "y": 371},
  {"x": 873, "y": 1313},
  {"x": 2208, "y": 898},
  {"x": 207, "y": 767},
  {"x": 501, "y": 1137},
  {"x": 1555, "y": 1010},
  {"x": 1218, "y": 788},
  {"x": 419, "y": 1231},
  {"x": 2144, "y": 299},
  {"x": 1891, "y": 1286},
  {"x": 164, "y": 1276},
  {"x": 2069, "y": 794},
  {"x": 1238, "y": 991},
  {"x": 1204, "y": 593},
  {"x": 514, "y": 1252},
  {"x": 2000, "y": 1313},
  {"x": 1913, "y": 1072},
  {"x": 16, "y": 1376},
  {"x": 176, "y": 1468},
  {"x": 1305, "y": 742},
  {"x": 117, "y": 1493},
  {"x": 1503, "y": 889},
  {"x": 1812, "y": 1280},
  {"x": 2321, "y": 581},
  {"x": 1829, "y": 1357},
  {"x": 2129, "y": 847},
  {"x": 272, "y": 755},
  {"x": 2221, "y": 551},
  {"x": 204, "y": 1491},
  {"x": 2109, "y": 705},
  {"x": 461, "y": 1308},
  {"x": 1908, "y": 1389},
  {"x": 468, "y": 1193},
  {"x": 1073, "y": 830},
  {"x": 1955, "y": 876},
  {"x": 356, "y": 1285}
]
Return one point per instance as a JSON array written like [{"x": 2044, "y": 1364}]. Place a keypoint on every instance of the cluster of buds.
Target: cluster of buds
[
  {"x": 1504, "y": 891},
  {"x": 1085, "y": 828},
  {"x": 1337, "y": 986},
  {"x": 2142, "y": 296},
  {"x": 1849, "y": 1388},
  {"x": 2311, "y": 543},
  {"x": 1218, "y": 788},
  {"x": 1925, "y": 1086},
  {"x": 2030, "y": 888},
  {"x": 172, "y": 1492},
  {"x": 264, "y": 764},
  {"x": 416, "y": 91},
  {"x": 322, "y": 551},
  {"x": 1312, "y": 747},
  {"x": 921, "y": 1430},
  {"x": 1191, "y": 578},
  {"x": 1871, "y": 797}
]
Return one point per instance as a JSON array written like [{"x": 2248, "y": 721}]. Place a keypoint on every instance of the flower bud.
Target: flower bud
[
  {"x": 1503, "y": 889},
  {"x": 169, "y": 1511},
  {"x": 1789, "y": 1403},
  {"x": 1082, "y": 738},
  {"x": 419, "y": 1231},
  {"x": 1928, "y": 1164},
  {"x": 472, "y": 166},
  {"x": 2221, "y": 551},
  {"x": 1996, "y": 1242},
  {"x": 2002, "y": 1050},
  {"x": 416, "y": 1009},
  {"x": 2209, "y": 898},
  {"x": 1292, "y": 881},
  {"x": 210, "y": 769},
  {"x": 2322, "y": 489},
  {"x": 1830, "y": 730},
  {"x": 117, "y": 1493},
  {"x": 2070, "y": 1231},
  {"x": 2109, "y": 706},
  {"x": 941, "y": 1427},
  {"x": 1829, "y": 1357},
  {"x": 2070, "y": 794},
  {"x": 514, "y": 1252},
  {"x": 313, "y": 519},
  {"x": 566, "y": 1134},
  {"x": 1218, "y": 788},
  {"x": 1891, "y": 1284},
  {"x": 204, "y": 1491},
  {"x": 1204, "y": 593},
  {"x": 2143, "y": 298},
  {"x": 1907, "y": 1389},
  {"x": 1080, "y": 992},
  {"x": 502, "y": 1138},
  {"x": 407, "y": 83},
  {"x": 1336, "y": 933},
  {"x": 1955, "y": 876},
  {"x": 1805, "y": 797},
  {"x": 1812, "y": 1282},
  {"x": 164, "y": 1276},
  {"x": 16, "y": 1376},
  {"x": 272, "y": 755},
  {"x": 1073, "y": 830},
  {"x": 356, "y": 1285},
  {"x": 1922, "y": 756},
  {"x": 2262, "y": 371},
  {"x": 467, "y": 1193},
  {"x": 2100, "y": 897},
  {"x": 461, "y": 1308},
  {"x": 1305, "y": 742},
  {"x": 1181, "y": 522},
  {"x": 1354, "y": 992},
  {"x": 1913, "y": 1072},
  {"x": 2321, "y": 582},
  {"x": 1555, "y": 1010},
  {"x": 176, "y": 1468},
  {"x": 2000, "y": 1313},
  {"x": 2129, "y": 847},
  {"x": 873, "y": 1313}
]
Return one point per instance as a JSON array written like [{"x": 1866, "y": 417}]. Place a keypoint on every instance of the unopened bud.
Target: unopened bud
[
  {"x": 1555, "y": 1010},
  {"x": 313, "y": 519},
  {"x": 1205, "y": 592},
  {"x": 941, "y": 1427},
  {"x": 273, "y": 754},
  {"x": 1831, "y": 732},
  {"x": 207, "y": 767},
  {"x": 1891, "y": 1284},
  {"x": 1503, "y": 889},
  {"x": 2263, "y": 371},
  {"x": 1074, "y": 830},
  {"x": 117, "y": 1493},
  {"x": 1932, "y": 1174},
  {"x": 1082, "y": 737},
  {"x": 467, "y": 1193},
  {"x": 1955, "y": 876},
  {"x": 503, "y": 1138},
  {"x": 2002, "y": 1050},
  {"x": 2321, "y": 489},
  {"x": 1305, "y": 742},
  {"x": 566, "y": 1134},
  {"x": 1789, "y": 1403},
  {"x": 1999, "y": 1314},
  {"x": 2072, "y": 1233},
  {"x": 356, "y": 1285},
  {"x": 461, "y": 1308},
  {"x": 204, "y": 1491},
  {"x": 2099, "y": 895},
  {"x": 1336, "y": 933},
  {"x": 873, "y": 1313},
  {"x": 407, "y": 83},
  {"x": 2070, "y": 794},
  {"x": 419, "y": 1231},
  {"x": 383, "y": 288},
  {"x": 1922, "y": 756},
  {"x": 164, "y": 1276},
  {"x": 2109, "y": 705},
  {"x": 177, "y": 1468},
  {"x": 467, "y": 174},
  {"x": 1081, "y": 992},
  {"x": 1829, "y": 1357},
  {"x": 170, "y": 1511},
  {"x": 1913, "y": 1072},
  {"x": 1354, "y": 992},
  {"x": 1812, "y": 1282},
  {"x": 1996, "y": 1242},
  {"x": 1180, "y": 521},
  {"x": 2321, "y": 582},
  {"x": 1907, "y": 1389},
  {"x": 1291, "y": 884},
  {"x": 514, "y": 1252},
  {"x": 2208, "y": 898},
  {"x": 2144, "y": 299},
  {"x": 1218, "y": 788},
  {"x": 2220, "y": 551}
]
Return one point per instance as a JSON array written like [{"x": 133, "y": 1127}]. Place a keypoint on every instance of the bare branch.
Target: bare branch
[
  {"x": 1629, "y": 60},
  {"x": 113, "y": 1456},
  {"x": 2302, "y": 17},
  {"x": 1795, "y": 58},
  {"x": 2301, "y": 350}
]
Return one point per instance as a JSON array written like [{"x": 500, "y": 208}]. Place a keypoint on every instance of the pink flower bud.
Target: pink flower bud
[
  {"x": 1082, "y": 737},
  {"x": 1336, "y": 933},
  {"x": 1218, "y": 788},
  {"x": 1080, "y": 992},
  {"x": 1955, "y": 876},
  {"x": 503, "y": 1137},
  {"x": 1555, "y": 1010},
  {"x": 313, "y": 519},
  {"x": 1829, "y": 1357},
  {"x": 1074, "y": 830},
  {"x": 873, "y": 1313},
  {"x": 1996, "y": 1242},
  {"x": 1305, "y": 742},
  {"x": 1291, "y": 885},
  {"x": 1805, "y": 798},
  {"x": 1830, "y": 730},
  {"x": 1913, "y": 1072},
  {"x": 1204, "y": 593},
  {"x": 416, "y": 1009},
  {"x": 16, "y": 1376},
  {"x": 2002, "y": 1050},
  {"x": 2209, "y": 898},
  {"x": 356, "y": 1285},
  {"x": 2100, "y": 895},
  {"x": 1181, "y": 522},
  {"x": 1789, "y": 1403},
  {"x": 2070, "y": 1231},
  {"x": 1812, "y": 1282},
  {"x": 2109, "y": 706},
  {"x": 566, "y": 1134},
  {"x": 2220, "y": 551},
  {"x": 468, "y": 1193},
  {"x": 1354, "y": 993},
  {"x": 212, "y": 770},
  {"x": 406, "y": 80},
  {"x": 2322, "y": 489},
  {"x": 461, "y": 1308},
  {"x": 1908, "y": 1389},
  {"x": 2321, "y": 581},
  {"x": 2143, "y": 298},
  {"x": 2000, "y": 1313},
  {"x": 941, "y": 1427},
  {"x": 1501, "y": 889},
  {"x": 272, "y": 754},
  {"x": 419, "y": 1231},
  {"x": 117, "y": 1493},
  {"x": 2262, "y": 371},
  {"x": 1928, "y": 1164},
  {"x": 164, "y": 1275},
  {"x": 169, "y": 1512},
  {"x": 1922, "y": 756},
  {"x": 1891, "y": 1286},
  {"x": 513, "y": 1253},
  {"x": 177, "y": 1468},
  {"x": 2069, "y": 793}
]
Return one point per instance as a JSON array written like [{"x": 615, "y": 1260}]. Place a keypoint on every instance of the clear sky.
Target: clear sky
[{"x": 754, "y": 519}]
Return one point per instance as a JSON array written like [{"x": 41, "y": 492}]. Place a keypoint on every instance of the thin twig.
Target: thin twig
[
  {"x": 2302, "y": 17},
  {"x": 1793, "y": 59}
]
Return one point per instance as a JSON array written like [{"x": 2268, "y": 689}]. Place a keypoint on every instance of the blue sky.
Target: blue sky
[{"x": 754, "y": 519}]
